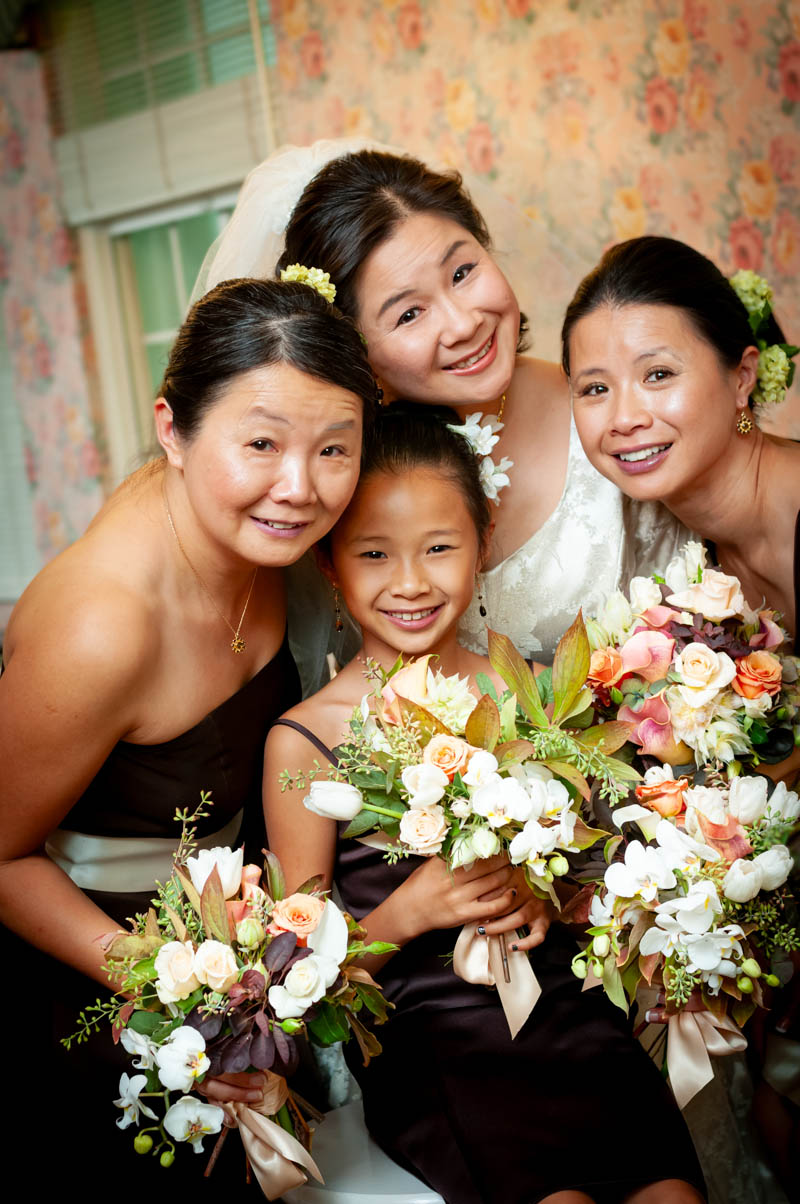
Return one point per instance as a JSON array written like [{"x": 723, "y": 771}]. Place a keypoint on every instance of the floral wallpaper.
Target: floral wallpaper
[
  {"x": 603, "y": 119},
  {"x": 41, "y": 315}
]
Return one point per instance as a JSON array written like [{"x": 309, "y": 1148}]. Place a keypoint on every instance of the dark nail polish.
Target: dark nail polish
[
  {"x": 481, "y": 930},
  {"x": 515, "y": 948},
  {"x": 514, "y": 891}
]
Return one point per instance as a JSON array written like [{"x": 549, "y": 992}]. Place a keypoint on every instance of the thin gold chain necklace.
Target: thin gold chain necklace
[
  {"x": 501, "y": 408},
  {"x": 237, "y": 643}
]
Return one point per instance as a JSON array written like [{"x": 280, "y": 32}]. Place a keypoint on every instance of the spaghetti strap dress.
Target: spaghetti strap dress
[
  {"x": 132, "y": 802},
  {"x": 572, "y": 1102}
]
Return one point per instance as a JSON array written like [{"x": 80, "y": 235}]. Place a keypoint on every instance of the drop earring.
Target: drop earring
[
  {"x": 337, "y": 610},
  {"x": 479, "y": 592},
  {"x": 744, "y": 423}
]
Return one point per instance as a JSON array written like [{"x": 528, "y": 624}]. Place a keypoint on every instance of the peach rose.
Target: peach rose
[
  {"x": 605, "y": 667},
  {"x": 424, "y": 831},
  {"x": 665, "y": 797},
  {"x": 661, "y": 100},
  {"x": 703, "y": 673},
  {"x": 786, "y": 244},
  {"x": 716, "y": 597},
  {"x": 747, "y": 244},
  {"x": 789, "y": 68},
  {"x": 215, "y": 966},
  {"x": 448, "y": 753},
  {"x": 756, "y": 674},
  {"x": 298, "y": 913}
]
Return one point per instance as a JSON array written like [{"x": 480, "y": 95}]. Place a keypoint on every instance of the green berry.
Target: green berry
[
  {"x": 751, "y": 967},
  {"x": 579, "y": 968},
  {"x": 167, "y": 1158},
  {"x": 143, "y": 1143},
  {"x": 601, "y": 945},
  {"x": 745, "y": 984},
  {"x": 772, "y": 980}
]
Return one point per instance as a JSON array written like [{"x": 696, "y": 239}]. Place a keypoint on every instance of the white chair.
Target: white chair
[{"x": 355, "y": 1168}]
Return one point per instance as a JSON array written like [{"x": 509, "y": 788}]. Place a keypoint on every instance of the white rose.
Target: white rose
[
  {"x": 175, "y": 969},
  {"x": 424, "y": 830},
  {"x": 334, "y": 800},
  {"x": 703, "y": 673},
  {"x": 229, "y": 867},
  {"x": 215, "y": 966},
  {"x": 425, "y": 783},
  {"x": 742, "y": 881},
  {"x": 304, "y": 985},
  {"x": 775, "y": 865},
  {"x": 484, "y": 843},
  {"x": 617, "y": 615},
  {"x": 658, "y": 774},
  {"x": 747, "y": 799},
  {"x": 461, "y": 808},
  {"x": 644, "y": 593},
  {"x": 783, "y": 804}
]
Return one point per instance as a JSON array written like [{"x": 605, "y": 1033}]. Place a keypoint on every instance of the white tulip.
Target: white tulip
[
  {"x": 747, "y": 799},
  {"x": 775, "y": 865},
  {"x": 742, "y": 881},
  {"x": 334, "y": 800},
  {"x": 229, "y": 867}
]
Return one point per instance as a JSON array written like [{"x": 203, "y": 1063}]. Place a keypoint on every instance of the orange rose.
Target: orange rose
[
  {"x": 664, "y": 797},
  {"x": 756, "y": 674},
  {"x": 448, "y": 753},
  {"x": 297, "y": 913},
  {"x": 605, "y": 667}
]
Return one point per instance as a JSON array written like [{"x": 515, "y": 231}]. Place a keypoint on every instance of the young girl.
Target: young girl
[{"x": 481, "y": 1119}]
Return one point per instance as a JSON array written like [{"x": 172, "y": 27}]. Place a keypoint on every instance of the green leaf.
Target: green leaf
[
  {"x": 508, "y": 718},
  {"x": 276, "y": 883},
  {"x": 376, "y": 948},
  {"x": 372, "y": 999},
  {"x": 518, "y": 676},
  {"x": 361, "y": 823},
  {"x": 310, "y": 885},
  {"x": 483, "y": 725},
  {"x": 570, "y": 668},
  {"x": 584, "y": 836},
  {"x": 514, "y": 750},
  {"x": 329, "y": 1025},
  {"x": 610, "y": 848},
  {"x": 188, "y": 889},
  {"x": 606, "y": 736},
  {"x": 145, "y": 1022},
  {"x": 213, "y": 910},
  {"x": 612, "y": 982},
  {"x": 486, "y": 686},
  {"x": 572, "y": 775},
  {"x": 544, "y": 684},
  {"x": 130, "y": 945}
]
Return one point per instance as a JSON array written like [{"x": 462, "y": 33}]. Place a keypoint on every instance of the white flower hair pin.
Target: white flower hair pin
[{"x": 482, "y": 434}]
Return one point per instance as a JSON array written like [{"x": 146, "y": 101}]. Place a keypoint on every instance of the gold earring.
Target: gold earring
[
  {"x": 339, "y": 625},
  {"x": 744, "y": 423}
]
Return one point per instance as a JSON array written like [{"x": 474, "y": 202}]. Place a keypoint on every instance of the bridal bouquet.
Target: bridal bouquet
[
  {"x": 439, "y": 772},
  {"x": 220, "y": 976},
  {"x": 698, "y": 908},
  {"x": 696, "y": 672}
]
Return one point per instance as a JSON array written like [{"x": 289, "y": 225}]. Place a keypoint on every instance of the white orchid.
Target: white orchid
[
  {"x": 713, "y": 952},
  {"x": 140, "y": 1045},
  {"x": 681, "y": 851},
  {"x": 502, "y": 801},
  {"x": 482, "y": 769},
  {"x": 190, "y": 1120},
  {"x": 695, "y": 911},
  {"x": 129, "y": 1090},
  {"x": 642, "y": 874},
  {"x": 532, "y": 846},
  {"x": 494, "y": 477},
  {"x": 182, "y": 1059},
  {"x": 479, "y": 432}
]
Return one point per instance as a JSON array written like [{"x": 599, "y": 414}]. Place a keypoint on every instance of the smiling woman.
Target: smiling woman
[
  {"x": 146, "y": 663},
  {"x": 668, "y": 384}
]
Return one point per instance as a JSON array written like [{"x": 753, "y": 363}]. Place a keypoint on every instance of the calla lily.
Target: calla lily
[
  {"x": 190, "y": 1120},
  {"x": 653, "y": 731},
  {"x": 769, "y": 634},
  {"x": 410, "y": 682},
  {"x": 329, "y": 938},
  {"x": 648, "y": 654},
  {"x": 647, "y": 820},
  {"x": 659, "y": 616}
]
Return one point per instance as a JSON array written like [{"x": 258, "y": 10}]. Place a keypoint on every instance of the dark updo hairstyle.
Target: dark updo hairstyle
[
  {"x": 408, "y": 435},
  {"x": 245, "y": 324},
  {"x": 355, "y": 204},
  {"x": 663, "y": 271}
]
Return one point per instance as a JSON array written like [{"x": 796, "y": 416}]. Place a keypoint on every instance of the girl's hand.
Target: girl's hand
[
  {"x": 528, "y": 909},
  {"x": 244, "y": 1088},
  {"x": 435, "y": 897}
]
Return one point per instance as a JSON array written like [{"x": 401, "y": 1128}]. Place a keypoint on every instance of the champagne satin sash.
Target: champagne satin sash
[
  {"x": 124, "y": 863},
  {"x": 692, "y": 1037},
  {"x": 275, "y": 1156},
  {"x": 479, "y": 959}
]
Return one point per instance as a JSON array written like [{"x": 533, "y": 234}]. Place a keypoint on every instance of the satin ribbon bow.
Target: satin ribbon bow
[
  {"x": 275, "y": 1156},
  {"x": 479, "y": 959},
  {"x": 692, "y": 1037}
]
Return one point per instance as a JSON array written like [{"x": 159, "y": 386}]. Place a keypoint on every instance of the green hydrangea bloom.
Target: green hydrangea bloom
[
  {"x": 752, "y": 290},
  {"x": 773, "y": 373},
  {"x": 314, "y": 277}
]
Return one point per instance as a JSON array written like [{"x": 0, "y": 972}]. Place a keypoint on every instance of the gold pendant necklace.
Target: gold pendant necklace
[
  {"x": 501, "y": 408},
  {"x": 237, "y": 643}
]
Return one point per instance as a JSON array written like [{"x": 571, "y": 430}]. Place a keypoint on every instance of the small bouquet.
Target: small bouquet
[
  {"x": 439, "y": 772},
  {"x": 697, "y": 907},
  {"x": 220, "y": 976},
  {"x": 696, "y": 672}
]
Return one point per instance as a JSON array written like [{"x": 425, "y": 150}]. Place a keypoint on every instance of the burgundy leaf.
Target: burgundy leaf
[
  {"x": 279, "y": 951},
  {"x": 262, "y": 1050},
  {"x": 208, "y": 1024},
  {"x": 235, "y": 1054}
]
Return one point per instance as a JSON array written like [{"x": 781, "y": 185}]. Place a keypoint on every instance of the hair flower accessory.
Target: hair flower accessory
[
  {"x": 314, "y": 277},
  {"x": 482, "y": 434},
  {"x": 775, "y": 367}
]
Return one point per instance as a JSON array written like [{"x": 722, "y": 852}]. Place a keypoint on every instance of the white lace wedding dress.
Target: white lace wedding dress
[{"x": 595, "y": 540}]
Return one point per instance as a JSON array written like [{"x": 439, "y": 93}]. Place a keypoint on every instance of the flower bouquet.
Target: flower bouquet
[
  {"x": 220, "y": 976},
  {"x": 697, "y": 908},
  {"x": 697, "y": 673},
  {"x": 430, "y": 770}
]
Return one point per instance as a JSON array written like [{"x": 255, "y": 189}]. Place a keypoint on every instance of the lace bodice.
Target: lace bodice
[{"x": 595, "y": 540}]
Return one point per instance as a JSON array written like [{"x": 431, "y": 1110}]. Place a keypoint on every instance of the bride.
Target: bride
[{"x": 411, "y": 258}]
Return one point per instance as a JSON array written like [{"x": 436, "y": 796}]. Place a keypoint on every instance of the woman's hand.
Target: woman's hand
[
  {"x": 528, "y": 910},
  {"x": 436, "y": 897}
]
